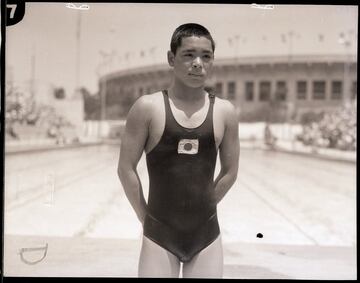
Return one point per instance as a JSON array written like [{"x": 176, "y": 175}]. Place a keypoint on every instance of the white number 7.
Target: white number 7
[{"x": 13, "y": 8}]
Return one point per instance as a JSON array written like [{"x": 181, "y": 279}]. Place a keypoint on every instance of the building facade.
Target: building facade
[{"x": 256, "y": 86}]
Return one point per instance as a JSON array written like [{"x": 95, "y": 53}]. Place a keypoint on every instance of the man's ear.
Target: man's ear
[{"x": 171, "y": 58}]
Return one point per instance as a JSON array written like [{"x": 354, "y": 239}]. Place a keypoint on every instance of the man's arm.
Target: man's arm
[
  {"x": 132, "y": 147},
  {"x": 229, "y": 154}
]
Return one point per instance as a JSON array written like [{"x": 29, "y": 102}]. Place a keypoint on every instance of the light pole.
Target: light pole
[
  {"x": 98, "y": 74},
  {"x": 289, "y": 36},
  {"x": 32, "y": 75},
  {"x": 106, "y": 59},
  {"x": 127, "y": 59},
  {"x": 234, "y": 41},
  {"x": 152, "y": 52},
  {"x": 290, "y": 104},
  {"x": 345, "y": 40}
]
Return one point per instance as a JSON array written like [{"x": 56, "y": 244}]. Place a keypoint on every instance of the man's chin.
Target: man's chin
[
  {"x": 192, "y": 83},
  {"x": 195, "y": 84}
]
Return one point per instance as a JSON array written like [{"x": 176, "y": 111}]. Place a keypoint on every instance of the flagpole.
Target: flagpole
[
  {"x": 234, "y": 43},
  {"x": 32, "y": 77},
  {"x": 78, "y": 35}
]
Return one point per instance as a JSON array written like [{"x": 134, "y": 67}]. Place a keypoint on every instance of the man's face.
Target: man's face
[{"x": 193, "y": 61}]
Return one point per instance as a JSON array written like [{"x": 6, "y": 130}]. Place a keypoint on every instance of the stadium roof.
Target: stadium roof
[{"x": 221, "y": 62}]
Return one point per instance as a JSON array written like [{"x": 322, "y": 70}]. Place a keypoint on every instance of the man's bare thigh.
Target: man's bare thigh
[
  {"x": 207, "y": 264},
  {"x": 155, "y": 261}
]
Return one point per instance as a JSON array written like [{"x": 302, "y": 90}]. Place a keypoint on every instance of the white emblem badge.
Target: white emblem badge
[{"x": 187, "y": 146}]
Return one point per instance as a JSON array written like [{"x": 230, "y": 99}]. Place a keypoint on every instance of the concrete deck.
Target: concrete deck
[
  {"x": 87, "y": 257},
  {"x": 304, "y": 207}
]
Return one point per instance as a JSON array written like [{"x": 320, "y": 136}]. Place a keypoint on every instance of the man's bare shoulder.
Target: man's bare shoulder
[
  {"x": 146, "y": 104},
  {"x": 148, "y": 100},
  {"x": 225, "y": 108}
]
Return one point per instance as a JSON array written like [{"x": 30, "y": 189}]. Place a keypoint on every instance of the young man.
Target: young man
[{"x": 181, "y": 130}]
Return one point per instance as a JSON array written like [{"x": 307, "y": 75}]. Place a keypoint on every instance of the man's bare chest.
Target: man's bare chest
[{"x": 183, "y": 119}]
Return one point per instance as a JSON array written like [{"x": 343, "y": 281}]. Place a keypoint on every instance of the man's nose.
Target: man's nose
[{"x": 197, "y": 63}]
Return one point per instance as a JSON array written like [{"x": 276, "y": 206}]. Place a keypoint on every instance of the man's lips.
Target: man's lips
[{"x": 196, "y": 75}]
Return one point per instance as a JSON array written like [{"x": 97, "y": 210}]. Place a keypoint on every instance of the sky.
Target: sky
[{"x": 44, "y": 44}]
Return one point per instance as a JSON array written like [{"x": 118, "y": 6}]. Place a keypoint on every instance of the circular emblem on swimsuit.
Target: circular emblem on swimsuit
[{"x": 188, "y": 146}]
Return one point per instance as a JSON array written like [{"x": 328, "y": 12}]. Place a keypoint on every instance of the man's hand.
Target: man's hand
[
  {"x": 132, "y": 147},
  {"x": 229, "y": 153}
]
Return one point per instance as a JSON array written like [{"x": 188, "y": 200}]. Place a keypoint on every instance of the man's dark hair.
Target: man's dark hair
[{"x": 187, "y": 30}]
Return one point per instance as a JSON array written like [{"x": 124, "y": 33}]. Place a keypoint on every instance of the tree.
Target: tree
[
  {"x": 59, "y": 93},
  {"x": 91, "y": 104}
]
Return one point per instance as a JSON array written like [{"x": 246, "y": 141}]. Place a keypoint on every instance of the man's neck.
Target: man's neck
[{"x": 184, "y": 93}]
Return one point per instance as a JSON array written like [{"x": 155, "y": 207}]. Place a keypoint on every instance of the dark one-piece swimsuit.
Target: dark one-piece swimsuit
[{"x": 181, "y": 216}]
